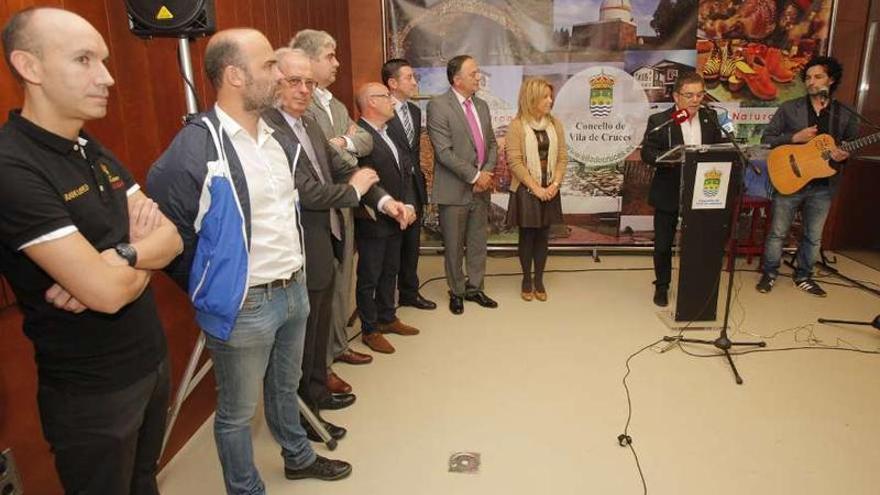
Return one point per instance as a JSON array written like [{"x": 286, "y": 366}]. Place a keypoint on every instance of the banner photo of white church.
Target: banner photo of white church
[{"x": 612, "y": 63}]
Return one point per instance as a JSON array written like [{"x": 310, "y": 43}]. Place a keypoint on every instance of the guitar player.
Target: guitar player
[{"x": 795, "y": 122}]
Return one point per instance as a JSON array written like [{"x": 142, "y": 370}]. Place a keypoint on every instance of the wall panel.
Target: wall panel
[
  {"x": 851, "y": 207},
  {"x": 366, "y": 41}
]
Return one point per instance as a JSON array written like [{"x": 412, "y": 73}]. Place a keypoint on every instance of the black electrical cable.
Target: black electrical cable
[
  {"x": 186, "y": 81},
  {"x": 624, "y": 439}
]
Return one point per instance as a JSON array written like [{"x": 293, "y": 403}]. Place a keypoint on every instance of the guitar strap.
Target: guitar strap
[{"x": 834, "y": 121}]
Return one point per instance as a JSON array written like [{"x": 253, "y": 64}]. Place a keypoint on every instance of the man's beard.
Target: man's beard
[
  {"x": 815, "y": 90},
  {"x": 257, "y": 98}
]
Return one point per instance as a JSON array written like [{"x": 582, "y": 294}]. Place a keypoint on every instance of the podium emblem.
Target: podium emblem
[{"x": 712, "y": 183}]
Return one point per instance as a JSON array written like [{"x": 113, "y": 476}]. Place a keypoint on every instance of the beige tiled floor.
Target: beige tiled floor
[{"x": 536, "y": 389}]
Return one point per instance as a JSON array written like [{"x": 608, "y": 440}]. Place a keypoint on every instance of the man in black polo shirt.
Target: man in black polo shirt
[{"x": 77, "y": 242}]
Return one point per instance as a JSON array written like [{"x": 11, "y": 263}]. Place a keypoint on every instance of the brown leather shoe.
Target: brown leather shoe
[
  {"x": 377, "y": 342},
  {"x": 527, "y": 296},
  {"x": 398, "y": 327},
  {"x": 354, "y": 357},
  {"x": 541, "y": 296},
  {"x": 337, "y": 385}
]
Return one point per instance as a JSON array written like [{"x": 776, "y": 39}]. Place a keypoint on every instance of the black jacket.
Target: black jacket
[
  {"x": 316, "y": 199},
  {"x": 413, "y": 148},
  {"x": 396, "y": 181},
  {"x": 666, "y": 184}
]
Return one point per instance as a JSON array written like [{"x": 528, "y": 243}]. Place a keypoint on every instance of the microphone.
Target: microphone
[
  {"x": 723, "y": 117},
  {"x": 677, "y": 118},
  {"x": 726, "y": 123},
  {"x": 729, "y": 131}
]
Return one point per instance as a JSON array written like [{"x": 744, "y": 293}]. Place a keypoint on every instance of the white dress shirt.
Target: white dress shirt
[
  {"x": 691, "y": 130},
  {"x": 275, "y": 250}
]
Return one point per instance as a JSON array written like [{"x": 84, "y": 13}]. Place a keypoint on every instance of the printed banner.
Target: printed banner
[{"x": 612, "y": 64}]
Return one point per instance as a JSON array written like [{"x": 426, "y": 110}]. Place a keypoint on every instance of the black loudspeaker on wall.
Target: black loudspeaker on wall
[
  {"x": 171, "y": 18},
  {"x": 10, "y": 483}
]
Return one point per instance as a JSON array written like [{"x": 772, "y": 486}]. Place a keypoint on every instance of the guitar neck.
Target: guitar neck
[{"x": 860, "y": 142}]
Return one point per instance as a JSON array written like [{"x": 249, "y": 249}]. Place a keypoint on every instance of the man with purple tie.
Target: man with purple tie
[{"x": 465, "y": 151}]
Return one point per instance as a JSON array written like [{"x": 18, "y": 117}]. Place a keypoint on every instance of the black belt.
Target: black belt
[{"x": 281, "y": 283}]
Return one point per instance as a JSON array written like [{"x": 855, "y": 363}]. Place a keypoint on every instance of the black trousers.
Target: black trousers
[
  {"x": 408, "y": 276},
  {"x": 664, "y": 235},
  {"x": 108, "y": 443},
  {"x": 377, "y": 268},
  {"x": 313, "y": 384}
]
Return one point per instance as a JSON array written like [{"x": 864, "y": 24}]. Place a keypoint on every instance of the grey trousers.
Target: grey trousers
[
  {"x": 465, "y": 232},
  {"x": 342, "y": 305}
]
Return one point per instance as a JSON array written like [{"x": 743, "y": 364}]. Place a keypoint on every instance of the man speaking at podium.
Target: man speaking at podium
[{"x": 687, "y": 122}]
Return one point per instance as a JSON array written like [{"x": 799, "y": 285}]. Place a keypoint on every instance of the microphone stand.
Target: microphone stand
[
  {"x": 723, "y": 342},
  {"x": 861, "y": 118},
  {"x": 874, "y": 323}
]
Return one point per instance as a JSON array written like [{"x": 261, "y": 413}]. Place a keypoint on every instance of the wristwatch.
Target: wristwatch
[{"x": 127, "y": 252}]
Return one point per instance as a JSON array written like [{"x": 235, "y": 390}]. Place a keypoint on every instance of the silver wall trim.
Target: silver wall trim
[
  {"x": 384, "y": 31},
  {"x": 864, "y": 77},
  {"x": 833, "y": 21}
]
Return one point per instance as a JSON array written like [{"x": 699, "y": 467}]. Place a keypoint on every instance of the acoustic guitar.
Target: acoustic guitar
[{"x": 792, "y": 166}]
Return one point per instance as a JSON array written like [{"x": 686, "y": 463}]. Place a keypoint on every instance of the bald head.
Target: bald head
[
  {"x": 294, "y": 59},
  {"x": 365, "y": 91},
  {"x": 225, "y": 49},
  {"x": 243, "y": 69},
  {"x": 374, "y": 102},
  {"x": 60, "y": 60},
  {"x": 34, "y": 31}
]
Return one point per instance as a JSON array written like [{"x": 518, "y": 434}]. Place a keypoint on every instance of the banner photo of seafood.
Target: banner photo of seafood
[
  {"x": 751, "y": 53},
  {"x": 612, "y": 63}
]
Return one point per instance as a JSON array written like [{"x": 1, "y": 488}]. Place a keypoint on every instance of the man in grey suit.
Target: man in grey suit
[
  {"x": 465, "y": 151},
  {"x": 350, "y": 142}
]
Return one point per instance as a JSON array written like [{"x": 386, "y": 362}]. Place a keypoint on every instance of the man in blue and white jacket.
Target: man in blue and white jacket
[{"x": 226, "y": 181}]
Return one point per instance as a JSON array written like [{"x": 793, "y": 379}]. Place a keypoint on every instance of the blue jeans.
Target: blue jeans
[
  {"x": 816, "y": 201},
  {"x": 265, "y": 346}
]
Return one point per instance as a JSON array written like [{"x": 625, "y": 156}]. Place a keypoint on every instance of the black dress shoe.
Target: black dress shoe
[
  {"x": 661, "y": 298},
  {"x": 336, "y": 432},
  {"x": 482, "y": 299},
  {"x": 336, "y": 401},
  {"x": 419, "y": 302},
  {"x": 322, "y": 469},
  {"x": 456, "y": 304}
]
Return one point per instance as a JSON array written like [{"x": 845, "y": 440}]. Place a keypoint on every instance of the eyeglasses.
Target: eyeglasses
[
  {"x": 297, "y": 82},
  {"x": 690, "y": 96}
]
